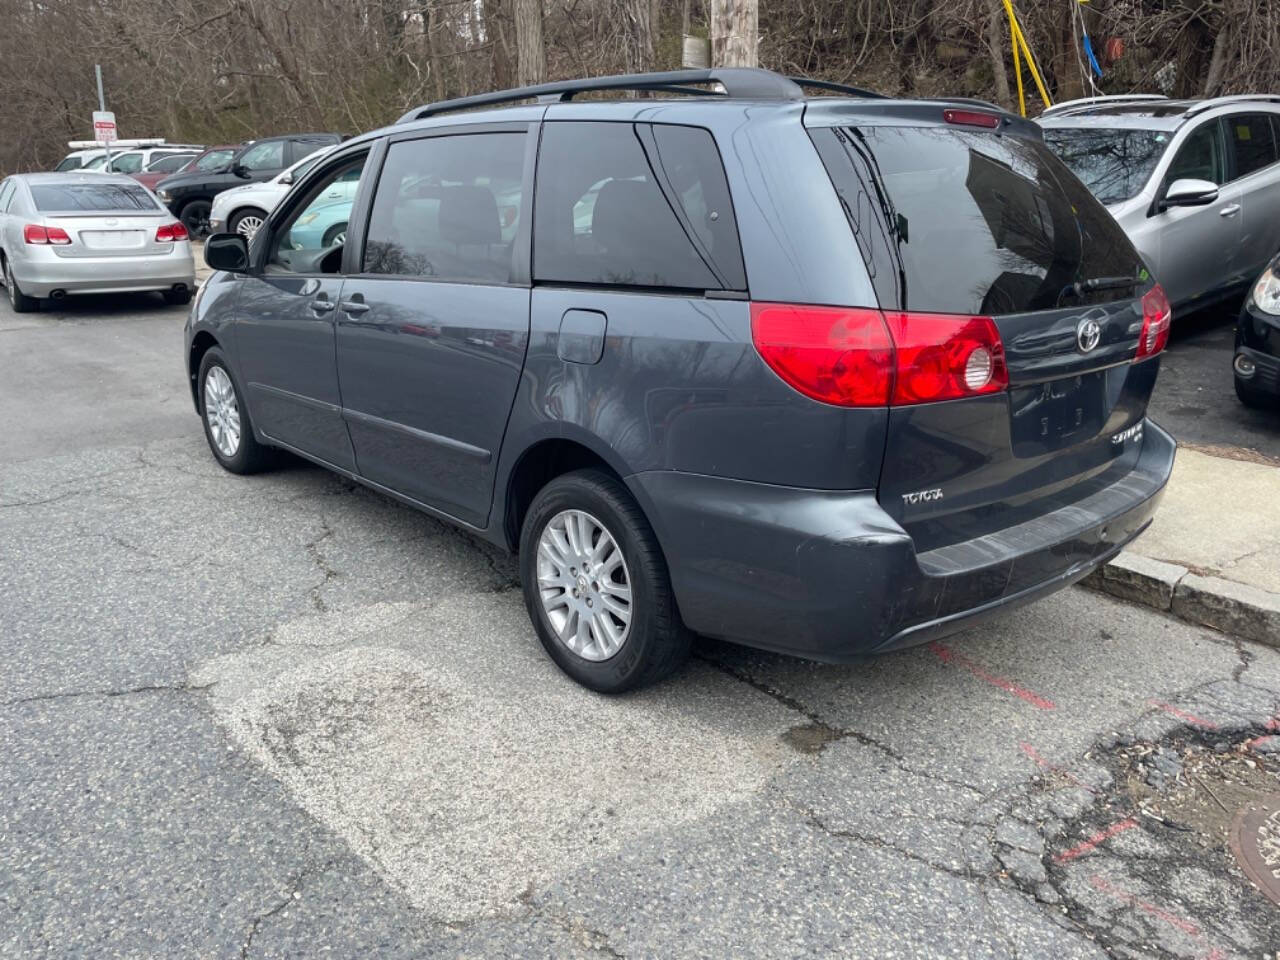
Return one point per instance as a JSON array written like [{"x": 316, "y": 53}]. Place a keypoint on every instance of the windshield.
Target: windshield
[
  {"x": 1114, "y": 164},
  {"x": 214, "y": 160},
  {"x": 97, "y": 197},
  {"x": 96, "y": 163}
]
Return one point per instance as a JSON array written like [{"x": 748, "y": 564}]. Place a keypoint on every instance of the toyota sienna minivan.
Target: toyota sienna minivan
[{"x": 829, "y": 376}]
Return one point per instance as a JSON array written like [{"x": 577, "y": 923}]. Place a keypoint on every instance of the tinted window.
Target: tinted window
[
  {"x": 127, "y": 163},
  {"x": 214, "y": 160},
  {"x": 958, "y": 222},
  {"x": 319, "y": 226},
  {"x": 170, "y": 163},
  {"x": 634, "y": 205},
  {"x": 1114, "y": 164},
  {"x": 1252, "y": 141},
  {"x": 1200, "y": 157},
  {"x": 264, "y": 156},
  {"x": 116, "y": 197},
  {"x": 447, "y": 208}
]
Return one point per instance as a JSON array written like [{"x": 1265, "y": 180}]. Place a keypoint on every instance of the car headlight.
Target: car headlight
[
  {"x": 1266, "y": 293},
  {"x": 309, "y": 218}
]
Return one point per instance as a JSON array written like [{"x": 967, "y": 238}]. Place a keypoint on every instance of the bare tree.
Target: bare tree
[
  {"x": 531, "y": 55},
  {"x": 734, "y": 33}
]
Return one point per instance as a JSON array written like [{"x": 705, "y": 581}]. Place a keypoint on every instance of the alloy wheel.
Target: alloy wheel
[
  {"x": 221, "y": 411},
  {"x": 248, "y": 225},
  {"x": 584, "y": 585}
]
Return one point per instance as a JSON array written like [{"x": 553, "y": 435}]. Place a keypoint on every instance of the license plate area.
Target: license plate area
[
  {"x": 113, "y": 239},
  {"x": 1056, "y": 414}
]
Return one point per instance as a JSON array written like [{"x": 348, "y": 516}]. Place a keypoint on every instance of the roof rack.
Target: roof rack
[
  {"x": 837, "y": 87},
  {"x": 1200, "y": 106},
  {"x": 1085, "y": 102},
  {"x": 744, "y": 82}
]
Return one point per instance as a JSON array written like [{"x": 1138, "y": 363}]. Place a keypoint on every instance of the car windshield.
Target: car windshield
[
  {"x": 96, "y": 163},
  {"x": 96, "y": 197},
  {"x": 214, "y": 160},
  {"x": 1114, "y": 164},
  {"x": 70, "y": 163}
]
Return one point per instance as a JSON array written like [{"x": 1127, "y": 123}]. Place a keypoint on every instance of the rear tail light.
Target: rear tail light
[
  {"x": 170, "y": 232},
  {"x": 971, "y": 118},
  {"x": 1156, "y": 314},
  {"x": 38, "y": 234},
  {"x": 858, "y": 357},
  {"x": 838, "y": 355}
]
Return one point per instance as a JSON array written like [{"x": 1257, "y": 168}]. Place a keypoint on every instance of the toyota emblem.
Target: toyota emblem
[{"x": 1088, "y": 333}]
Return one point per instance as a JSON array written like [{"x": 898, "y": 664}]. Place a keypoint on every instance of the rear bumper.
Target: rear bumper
[
  {"x": 829, "y": 576},
  {"x": 41, "y": 277}
]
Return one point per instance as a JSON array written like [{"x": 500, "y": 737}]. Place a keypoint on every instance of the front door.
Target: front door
[
  {"x": 1199, "y": 246},
  {"x": 432, "y": 332},
  {"x": 285, "y": 327}
]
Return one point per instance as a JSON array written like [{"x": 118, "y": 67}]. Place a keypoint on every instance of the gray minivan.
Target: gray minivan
[{"x": 829, "y": 376}]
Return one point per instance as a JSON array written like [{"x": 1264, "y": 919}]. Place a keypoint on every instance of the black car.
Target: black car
[
  {"x": 189, "y": 196},
  {"x": 1257, "y": 354},
  {"x": 828, "y": 376}
]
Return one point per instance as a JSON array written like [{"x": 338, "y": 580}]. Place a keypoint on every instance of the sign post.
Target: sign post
[{"x": 104, "y": 122}]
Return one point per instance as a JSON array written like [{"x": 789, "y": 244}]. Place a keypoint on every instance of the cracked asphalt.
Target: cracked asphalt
[{"x": 284, "y": 716}]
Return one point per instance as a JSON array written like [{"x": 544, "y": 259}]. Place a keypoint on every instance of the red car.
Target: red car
[{"x": 214, "y": 158}]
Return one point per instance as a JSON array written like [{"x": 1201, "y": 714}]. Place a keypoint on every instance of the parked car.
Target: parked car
[
  {"x": 162, "y": 166},
  {"x": 136, "y": 161},
  {"x": 190, "y": 195},
  {"x": 74, "y": 233},
  {"x": 737, "y": 398},
  {"x": 1194, "y": 183},
  {"x": 1256, "y": 363},
  {"x": 242, "y": 209},
  {"x": 213, "y": 160},
  {"x": 84, "y": 152}
]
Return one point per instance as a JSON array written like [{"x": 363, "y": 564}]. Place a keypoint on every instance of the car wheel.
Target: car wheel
[
  {"x": 226, "y": 419},
  {"x": 334, "y": 235},
  {"x": 596, "y": 585},
  {"x": 247, "y": 221},
  {"x": 18, "y": 300},
  {"x": 195, "y": 217},
  {"x": 1253, "y": 397},
  {"x": 177, "y": 298}
]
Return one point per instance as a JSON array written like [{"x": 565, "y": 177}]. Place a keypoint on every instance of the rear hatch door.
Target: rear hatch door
[{"x": 958, "y": 219}]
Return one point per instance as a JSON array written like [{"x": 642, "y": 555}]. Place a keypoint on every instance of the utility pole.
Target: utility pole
[
  {"x": 102, "y": 105},
  {"x": 735, "y": 33}
]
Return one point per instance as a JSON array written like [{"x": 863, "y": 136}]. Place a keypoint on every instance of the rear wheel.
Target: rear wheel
[
  {"x": 226, "y": 420},
  {"x": 246, "y": 222},
  {"x": 18, "y": 300},
  {"x": 596, "y": 585},
  {"x": 195, "y": 217}
]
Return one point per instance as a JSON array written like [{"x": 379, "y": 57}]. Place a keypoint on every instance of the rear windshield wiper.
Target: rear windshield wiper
[{"x": 1081, "y": 287}]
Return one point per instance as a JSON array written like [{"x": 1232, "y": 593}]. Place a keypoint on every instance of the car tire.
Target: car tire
[
  {"x": 195, "y": 217},
  {"x": 244, "y": 455},
  {"x": 1252, "y": 397},
  {"x": 18, "y": 300},
  {"x": 248, "y": 218},
  {"x": 177, "y": 298},
  {"x": 336, "y": 233},
  {"x": 601, "y": 651}
]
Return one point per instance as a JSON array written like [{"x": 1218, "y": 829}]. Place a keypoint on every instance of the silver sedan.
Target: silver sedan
[{"x": 75, "y": 233}]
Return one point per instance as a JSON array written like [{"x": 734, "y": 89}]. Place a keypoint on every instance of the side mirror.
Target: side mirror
[
  {"x": 286, "y": 178},
  {"x": 241, "y": 171},
  {"x": 1189, "y": 193},
  {"x": 227, "y": 251}
]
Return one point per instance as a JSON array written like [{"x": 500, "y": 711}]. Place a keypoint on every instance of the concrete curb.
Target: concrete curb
[{"x": 1234, "y": 608}]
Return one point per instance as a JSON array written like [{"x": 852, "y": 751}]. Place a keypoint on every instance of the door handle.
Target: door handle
[
  {"x": 321, "y": 306},
  {"x": 353, "y": 308},
  {"x": 1230, "y": 210}
]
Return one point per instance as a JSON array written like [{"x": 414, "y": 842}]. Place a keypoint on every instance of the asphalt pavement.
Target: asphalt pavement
[{"x": 284, "y": 716}]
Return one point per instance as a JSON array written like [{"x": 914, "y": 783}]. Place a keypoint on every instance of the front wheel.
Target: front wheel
[
  {"x": 1252, "y": 397},
  {"x": 334, "y": 235},
  {"x": 195, "y": 217},
  {"x": 246, "y": 222},
  {"x": 596, "y": 585},
  {"x": 226, "y": 420}
]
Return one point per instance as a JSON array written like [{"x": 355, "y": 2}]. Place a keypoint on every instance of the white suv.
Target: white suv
[
  {"x": 242, "y": 209},
  {"x": 1194, "y": 183}
]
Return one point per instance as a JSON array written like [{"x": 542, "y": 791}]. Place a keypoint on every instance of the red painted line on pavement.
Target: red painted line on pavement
[
  {"x": 1190, "y": 718},
  {"x": 1179, "y": 923},
  {"x": 1273, "y": 725},
  {"x": 1040, "y": 761},
  {"x": 1102, "y": 835},
  {"x": 947, "y": 655}
]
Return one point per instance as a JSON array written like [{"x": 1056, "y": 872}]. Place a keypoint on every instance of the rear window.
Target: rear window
[
  {"x": 1114, "y": 164},
  {"x": 92, "y": 197},
  {"x": 644, "y": 205},
  {"x": 951, "y": 221}
]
